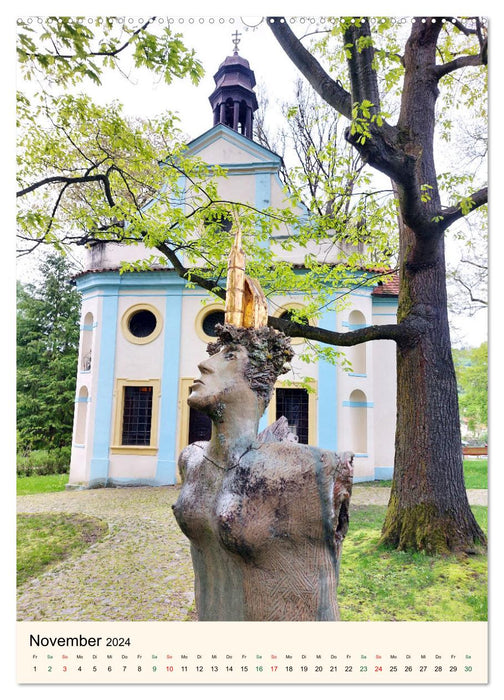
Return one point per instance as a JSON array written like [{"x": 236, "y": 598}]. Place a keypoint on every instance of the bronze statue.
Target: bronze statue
[{"x": 266, "y": 516}]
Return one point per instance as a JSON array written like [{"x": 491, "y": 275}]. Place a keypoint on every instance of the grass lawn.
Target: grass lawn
[
  {"x": 376, "y": 584},
  {"x": 26, "y": 485},
  {"x": 475, "y": 475},
  {"x": 380, "y": 584},
  {"x": 44, "y": 539}
]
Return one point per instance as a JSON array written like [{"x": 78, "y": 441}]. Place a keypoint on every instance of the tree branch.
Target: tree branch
[
  {"x": 480, "y": 266},
  {"x": 452, "y": 214},
  {"x": 190, "y": 275},
  {"x": 380, "y": 150},
  {"x": 456, "y": 64},
  {"x": 71, "y": 181},
  {"x": 404, "y": 334},
  {"x": 474, "y": 299},
  {"x": 461, "y": 27},
  {"x": 364, "y": 83},
  {"x": 112, "y": 53},
  {"x": 330, "y": 90}
]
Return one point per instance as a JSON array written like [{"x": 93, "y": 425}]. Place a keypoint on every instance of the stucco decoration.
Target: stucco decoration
[{"x": 266, "y": 516}]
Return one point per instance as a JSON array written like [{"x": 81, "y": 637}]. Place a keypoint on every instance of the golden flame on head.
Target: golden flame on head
[{"x": 246, "y": 305}]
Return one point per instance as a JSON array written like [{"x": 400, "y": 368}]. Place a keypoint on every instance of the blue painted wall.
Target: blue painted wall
[
  {"x": 99, "y": 465},
  {"x": 327, "y": 417},
  {"x": 166, "y": 466}
]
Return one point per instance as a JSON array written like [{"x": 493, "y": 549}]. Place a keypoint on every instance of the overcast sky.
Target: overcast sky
[{"x": 212, "y": 38}]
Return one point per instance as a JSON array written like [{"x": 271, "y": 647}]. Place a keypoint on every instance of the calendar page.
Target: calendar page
[
  {"x": 311, "y": 135},
  {"x": 227, "y": 652}
]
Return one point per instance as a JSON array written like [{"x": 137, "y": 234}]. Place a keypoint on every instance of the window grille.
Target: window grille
[
  {"x": 293, "y": 404},
  {"x": 137, "y": 415}
]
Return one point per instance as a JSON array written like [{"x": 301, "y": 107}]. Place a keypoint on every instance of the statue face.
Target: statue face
[{"x": 222, "y": 380}]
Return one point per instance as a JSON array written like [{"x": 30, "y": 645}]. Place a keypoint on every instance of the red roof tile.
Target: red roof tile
[{"x": 388, "y": 289}]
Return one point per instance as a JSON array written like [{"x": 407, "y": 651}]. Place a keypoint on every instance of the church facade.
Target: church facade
[{"x": 143, "y": 334}]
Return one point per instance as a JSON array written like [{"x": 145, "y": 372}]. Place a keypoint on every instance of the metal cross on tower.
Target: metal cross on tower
[{"x": 236, "y": 40}]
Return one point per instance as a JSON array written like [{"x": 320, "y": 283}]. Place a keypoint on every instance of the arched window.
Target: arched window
[
  {"x": 357, "y": 354},
  {"x": 358, "y": 421},
  {"x": 87, "y": 341},
  {"x": 80, "y": 423}
]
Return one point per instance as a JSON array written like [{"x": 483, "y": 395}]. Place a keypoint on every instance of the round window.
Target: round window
[
  {"x": 294, "y": 312},
  {"x": 288, "y": 315},
  {"x": 210, "y": 321},
  {"x": 142, "y": 323}
]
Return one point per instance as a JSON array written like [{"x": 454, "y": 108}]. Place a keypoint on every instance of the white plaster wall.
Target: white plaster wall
[
  {"x": 78, "y": 465},
  {"x": 385, "y": 403},
  {"x": 299, "y": 369},
  {"x": 193, "y": 349},
  {"x": 81, "y": 454},
  {"x": 384, "y": 359},
  {"x": 238, "y": 188},
  {"x": 137, "y": 361},
  {"x": 363, "y": 466},
  {"x": 329, "y": 251},
  {"x": 278, "y": 197},
  {"x": 112, "y": 255},
  {"x": 132, "y": 466},
  {"x": 223, "y": 150},
  {"x": 363, "y": 469},
  {"x": 347, "y": 383}
]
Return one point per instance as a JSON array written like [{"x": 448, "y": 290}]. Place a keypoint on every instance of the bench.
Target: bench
[{"x": 474, "y": 451}]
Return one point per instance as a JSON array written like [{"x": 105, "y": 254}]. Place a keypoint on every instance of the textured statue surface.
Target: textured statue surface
[{"x": 266, "y": 518}]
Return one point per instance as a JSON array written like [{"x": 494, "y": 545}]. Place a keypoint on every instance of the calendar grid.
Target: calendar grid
[{"x": 227, "y": 652}]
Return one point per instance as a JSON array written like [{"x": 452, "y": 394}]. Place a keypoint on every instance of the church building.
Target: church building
[{"x": 144, "y": 333}]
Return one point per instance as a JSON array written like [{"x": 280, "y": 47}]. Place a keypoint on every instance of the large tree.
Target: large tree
[
  {"x": 47, "y": 346},
  {"x": 428, "y": 507}
]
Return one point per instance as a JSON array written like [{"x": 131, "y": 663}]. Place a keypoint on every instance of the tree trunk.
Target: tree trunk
[{"x": 428, "y": 508}]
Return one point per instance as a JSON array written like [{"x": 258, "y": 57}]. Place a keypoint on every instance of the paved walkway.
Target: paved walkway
[{"x": 141, "y": 570}]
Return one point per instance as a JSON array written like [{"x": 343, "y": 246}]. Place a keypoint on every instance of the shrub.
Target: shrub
[{"x": 42, "y": 462}]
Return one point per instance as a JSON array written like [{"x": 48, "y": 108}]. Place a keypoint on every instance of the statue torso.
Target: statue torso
[{"x": 263, "y": 532}]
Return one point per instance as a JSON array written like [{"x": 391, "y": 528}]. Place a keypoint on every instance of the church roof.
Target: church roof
[
  {"x": 388, "y": 289},
  {"x": 385, "y": 289}
]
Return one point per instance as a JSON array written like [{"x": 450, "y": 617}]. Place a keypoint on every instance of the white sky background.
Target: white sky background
[{"x": 211, "y": 35}]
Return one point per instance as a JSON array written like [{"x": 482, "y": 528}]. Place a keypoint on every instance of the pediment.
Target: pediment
[{"x": 223, "y": 146}]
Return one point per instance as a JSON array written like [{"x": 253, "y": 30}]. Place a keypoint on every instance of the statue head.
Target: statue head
[{"x": 246, "y": 361}]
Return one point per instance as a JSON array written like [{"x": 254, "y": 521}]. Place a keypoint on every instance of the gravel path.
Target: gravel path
[{"x": 142, "y": 569}]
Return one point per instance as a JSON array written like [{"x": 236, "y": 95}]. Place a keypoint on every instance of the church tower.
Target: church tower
[{"x": 234, "y": 101}]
